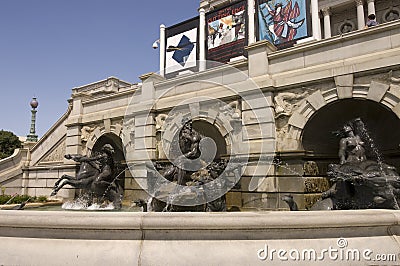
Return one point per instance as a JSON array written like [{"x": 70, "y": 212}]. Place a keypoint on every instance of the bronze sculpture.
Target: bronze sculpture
[
  {"x": 96, "y": 175},
  {"x": 193, "y": 176},
  {"x": 361, "y": 180}
]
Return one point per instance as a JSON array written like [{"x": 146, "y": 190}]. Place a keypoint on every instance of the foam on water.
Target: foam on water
[{"x": 83, "y": 205}]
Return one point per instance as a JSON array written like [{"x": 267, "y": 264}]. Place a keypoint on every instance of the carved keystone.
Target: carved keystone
[{"x": 344, "y": 86}]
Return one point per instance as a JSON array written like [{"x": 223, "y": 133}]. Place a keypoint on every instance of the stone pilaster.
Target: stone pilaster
[
  {"x": 258, "y": 57},
  {"x": 74, "y": 124}
]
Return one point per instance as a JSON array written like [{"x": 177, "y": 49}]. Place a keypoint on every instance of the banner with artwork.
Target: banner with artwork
[
  {"x": 227, "y": 32},
  {"x": 181, "y": 46},
  {"x": 282, "y": 22}
]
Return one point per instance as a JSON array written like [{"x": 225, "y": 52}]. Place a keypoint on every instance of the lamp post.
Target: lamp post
[{"x": 32, "y": 133}]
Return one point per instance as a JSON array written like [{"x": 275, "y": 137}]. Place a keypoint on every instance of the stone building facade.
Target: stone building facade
[{"x": 307, "y": 91}]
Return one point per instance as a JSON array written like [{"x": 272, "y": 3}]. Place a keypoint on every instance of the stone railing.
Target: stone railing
[{"x": 11, "y": 170}]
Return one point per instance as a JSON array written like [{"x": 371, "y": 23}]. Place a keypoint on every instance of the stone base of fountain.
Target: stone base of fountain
[{"x": 239, "y": 238}]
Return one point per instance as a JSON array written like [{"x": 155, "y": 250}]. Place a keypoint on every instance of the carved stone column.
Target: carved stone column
[
  {"x": 326, "y": 12},
  {"x": 360, "y": 14},
  {"x": 371, "y": 6},
  {"x": 315, "y": 20}
]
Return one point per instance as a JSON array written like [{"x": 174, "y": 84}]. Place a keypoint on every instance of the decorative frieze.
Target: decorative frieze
[{"x": 56, "y": 154}]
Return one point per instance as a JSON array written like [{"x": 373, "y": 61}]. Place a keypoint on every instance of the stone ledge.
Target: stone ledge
[
  {"x": 236, "y": 238},
  {"x": 198, "y": 221}
]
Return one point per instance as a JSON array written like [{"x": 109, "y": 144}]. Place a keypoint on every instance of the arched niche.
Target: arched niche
[
  {"x": 382, "y": 123},
  {"x": 115, "y": 141}
]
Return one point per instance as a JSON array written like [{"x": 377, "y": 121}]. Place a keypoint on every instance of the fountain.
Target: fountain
[
  {"x": 215, "y": 238},
  {"x": 194, "y": 176},
  {"x": 361, "y": 180}
]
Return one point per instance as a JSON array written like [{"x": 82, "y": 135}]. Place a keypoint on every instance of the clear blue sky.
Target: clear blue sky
[{"x": 48, "y": 47}]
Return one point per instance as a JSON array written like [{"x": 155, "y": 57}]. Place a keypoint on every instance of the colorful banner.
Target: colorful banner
[
  {"x": 227, "y": 32},
  {"x": 181, "y": 46},
  {"x": 282, "y": 22}
]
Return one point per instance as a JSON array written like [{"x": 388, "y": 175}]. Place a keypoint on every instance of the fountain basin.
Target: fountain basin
[{"x": 237, "y": 238}]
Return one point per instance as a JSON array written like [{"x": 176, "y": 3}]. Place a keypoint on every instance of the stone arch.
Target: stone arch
[
  {"x": 223, "y": 123},
  {"x": 378, "y": 92},
  {"x": 317, "y": 135},
  {"x": 119, "y": 157},
  {"x": 114, "y": 133}
]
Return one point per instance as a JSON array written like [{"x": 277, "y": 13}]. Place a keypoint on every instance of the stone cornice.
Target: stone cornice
[
  {"x": 262, "y": 43},
  {"x": 335, "y": 3},
  {"x": 111, "y": 84}
]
